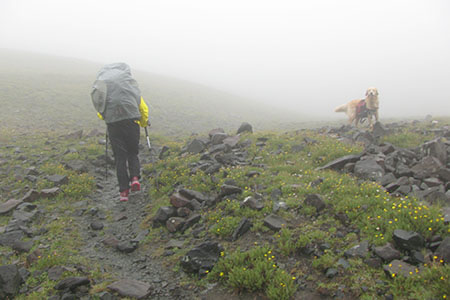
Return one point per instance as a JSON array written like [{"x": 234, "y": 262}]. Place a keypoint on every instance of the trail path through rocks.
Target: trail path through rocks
[{"x": 114, "y": 246}]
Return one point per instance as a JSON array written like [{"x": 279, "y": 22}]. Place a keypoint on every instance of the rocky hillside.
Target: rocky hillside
[{"x": 335, "y": 212}]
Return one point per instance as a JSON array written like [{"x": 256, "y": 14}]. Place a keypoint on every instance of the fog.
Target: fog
[{"x": 305, "y": 56}]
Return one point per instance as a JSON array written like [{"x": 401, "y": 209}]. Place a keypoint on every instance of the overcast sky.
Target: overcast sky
[{"x": 309, "y": 56}]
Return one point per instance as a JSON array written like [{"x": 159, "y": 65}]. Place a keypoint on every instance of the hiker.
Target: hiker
[{"x": 117, "y": 99}]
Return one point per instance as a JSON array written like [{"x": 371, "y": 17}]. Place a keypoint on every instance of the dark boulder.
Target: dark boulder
[
  {"x": 245, "y": 127},
  {"x": 244, "y": 226},
  {"x": 408, "y": 240},
  {"x": 72, "y": 283},
  {"x": 339, "y": 163},
  {"x": 163, "y": 214},
  {"x": 369, "y": 169},
  {"x": 387, "y": 252},
  {"x": 131, "y": 288},
  {"x": 360, "y": 250},
  {"x": 202, "y": 258},
  {"x": 10, "y": 281},
  {"x": 274, "y": 222},
  {"x": 443, "y": 251},
  {"x": 316, "y": 201}
]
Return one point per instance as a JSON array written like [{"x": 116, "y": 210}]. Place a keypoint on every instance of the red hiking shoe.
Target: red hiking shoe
[
  {"x": 124, "y": 195},
  {"x": 135, "y": 185}
]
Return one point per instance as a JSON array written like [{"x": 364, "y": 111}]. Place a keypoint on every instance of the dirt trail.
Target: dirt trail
[{"x": 121, "y": 221}]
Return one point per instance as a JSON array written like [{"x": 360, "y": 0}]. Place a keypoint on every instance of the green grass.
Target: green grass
[{"x": 371, "y": 210}]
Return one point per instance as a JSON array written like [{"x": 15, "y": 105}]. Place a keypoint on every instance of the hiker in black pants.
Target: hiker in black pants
[{"x": 118, "y": 101}]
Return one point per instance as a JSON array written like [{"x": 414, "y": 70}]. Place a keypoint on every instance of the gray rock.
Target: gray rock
[
  {"x": 245, "y": 127},
  {"x": 191, "y": 194},
  {"x": 174, "y": 244},
  {"x": 21, "y": 246},
  {"x": 196, "y": 146},
  {"x": 214, "y": 168},
  {"x": 408, "y": 240},
  {"x": 241, "y": 229},
  {"x": 52, "y": 192},
  {"x": 127, "y": 246},
  {"x": 58, "y": 179},
  {"x": 183, "y": 212},
  {"x": 131, "y": 288},
  {"x": 339, "y": 163},
  {"x": 10, "y": 281},
  {"x": 446, "y": 213},
  {"x": 140, "y": 236},
  {"x": 274, "y": 222},
  {"x": 231, "y": 141},
  {"x": 444, "y": 174},
  {"x": 97, "y": 225},
  {"x": 369, "y": 169},
  {"x": 69, "y": 296},
  {"x": 55, "y": 272},
  {"x": 175, "y": 224},
  {"x": 226, "y": 190},
  {"x": 428, "y": 167},
  {"x": 77, "y": 166},
  {"x": 202, "y": 258},
  {"x": 111, "y": 241},
  {"x": 72, "y": 283},
  {"x": 435, "y": 148},
  {"x": 252, "y": 203},
  {"x": 9, "y": 205},
  {"x": 279, "y": 205},
  {"x": 163, "y": 214},
  {"x": 360, "y": 250},
  {"x": 416, "y": 257},
  {"x": 432, "y": 181},
  {"x": 379, "y": 130},
  {"x": 31, "y": 196},
  {"x": 177, "y": 200},
  {"x": 399, "y": 267},
  {"x": 218, "y": 138},
  {"x": 189, "y": 222},
  {"x": 443, "y": 251},
  {"x": 24, "y": 214},
  {"x": 215, "y": 131},
  {"x": 8, "y": 238},
  {"x": 316, "y": 201},
  {"x": 387, "y": 252}
]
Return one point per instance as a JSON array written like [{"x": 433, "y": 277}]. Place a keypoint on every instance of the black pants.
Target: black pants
[{"x": 124, "y": 136}]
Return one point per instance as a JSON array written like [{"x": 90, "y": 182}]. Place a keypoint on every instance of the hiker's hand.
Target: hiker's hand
[{"x": 148, "y": 123}]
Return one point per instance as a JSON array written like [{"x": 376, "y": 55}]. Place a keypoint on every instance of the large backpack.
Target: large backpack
[{"x": 115, "y": 94}]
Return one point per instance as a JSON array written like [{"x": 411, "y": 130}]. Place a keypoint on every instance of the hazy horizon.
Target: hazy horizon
[{"x": 306, "y": 57}]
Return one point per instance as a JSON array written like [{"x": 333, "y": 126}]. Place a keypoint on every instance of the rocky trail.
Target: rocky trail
[{"x": 139, "y": 273}]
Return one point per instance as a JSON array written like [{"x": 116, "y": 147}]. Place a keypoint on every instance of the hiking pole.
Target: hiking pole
[
  {"x": 106, "y": 155},
  {"x": 148, "y": 139}
]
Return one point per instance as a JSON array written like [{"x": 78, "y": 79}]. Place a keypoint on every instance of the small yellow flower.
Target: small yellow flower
[
  {"x": 221, "y": 274},
  {"x": 293, "y": 278},
  {"x": 393, "y": 274}
]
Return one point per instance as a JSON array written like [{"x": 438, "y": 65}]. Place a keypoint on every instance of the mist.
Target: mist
[{"x": 304, "y": 56}]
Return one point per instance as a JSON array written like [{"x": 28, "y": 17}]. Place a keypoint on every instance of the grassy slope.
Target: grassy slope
[{"x": 39, "y": 91}]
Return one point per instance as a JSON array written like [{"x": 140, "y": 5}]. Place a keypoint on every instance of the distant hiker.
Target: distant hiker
[{"x": 117, "y": 99}]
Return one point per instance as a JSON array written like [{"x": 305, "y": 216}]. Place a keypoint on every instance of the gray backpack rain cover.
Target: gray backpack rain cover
[{"x": 115, "y": 94}]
